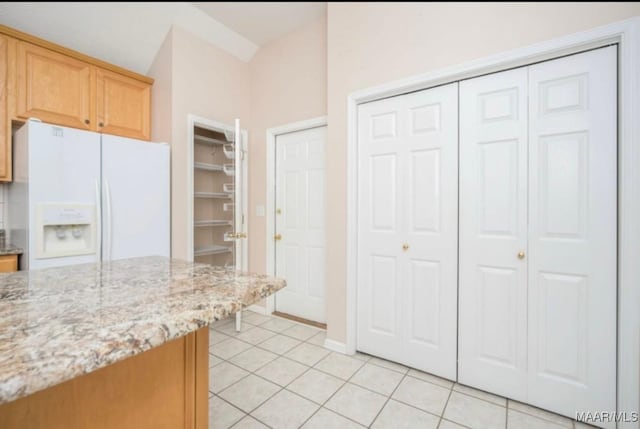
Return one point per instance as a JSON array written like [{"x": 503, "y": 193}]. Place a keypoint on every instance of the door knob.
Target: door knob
[
  {"x": 278, "y": 211},
  {"x": 521, "y": 255},
  {"x": 405, "y": 247},
  {"x": 241, "y": 235},
  {"x": 277, "y": 237}
]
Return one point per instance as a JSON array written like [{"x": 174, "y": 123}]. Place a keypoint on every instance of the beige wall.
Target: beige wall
[
  {"x": 285, "y": 82},
  {"x": 288, "y": 84},
  {"x": 373, "y": 43},
  {"x": 204, "y": 81},
  {"x": 161, "y": 94}
]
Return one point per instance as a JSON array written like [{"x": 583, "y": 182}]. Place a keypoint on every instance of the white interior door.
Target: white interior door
[
  {"x": 407, "y": 229},
  {"x": 493, "y": 230},
  {"x": 300, "y": 223},
  {"x": 572, "y": 233},
  {"x": 240, "y": 198}
]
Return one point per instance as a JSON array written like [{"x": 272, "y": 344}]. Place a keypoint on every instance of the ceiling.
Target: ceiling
[
  {"x": 262, "y": 22},
  {"x": 129, "y": 34}
]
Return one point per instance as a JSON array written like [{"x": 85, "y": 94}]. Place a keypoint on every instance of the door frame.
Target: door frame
[
  {"x": 627, "y": 35},
  {"x": 272, "y": 134},
  {"x": 198, "y": 121}
]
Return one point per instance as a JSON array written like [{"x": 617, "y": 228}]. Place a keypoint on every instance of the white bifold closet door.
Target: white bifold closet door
[
  {"x": 407, "y": 229},
  {"x": 538, "y": 245}
]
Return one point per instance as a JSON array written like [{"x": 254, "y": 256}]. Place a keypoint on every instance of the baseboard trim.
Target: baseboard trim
[
  {"x": 259, "y": 309},
  {"x": 335, "y": 346}
]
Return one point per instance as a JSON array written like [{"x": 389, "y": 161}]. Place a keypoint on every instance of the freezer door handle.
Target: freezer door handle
[
  {"x": 109, "y": 221},
  {"x": 99, "y": 221}
]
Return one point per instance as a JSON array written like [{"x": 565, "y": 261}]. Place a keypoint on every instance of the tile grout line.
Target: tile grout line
[
  {"x": 281, "y": 388},
  {"x": 229, "y": 403},
  {"x": 445, "y": 407},
  {"x": 322, "y": 406},
  {"x": 481, "y": 399},
  {"x": 345, "y": 382},
  {"x": 405, "y": 374},
  {"x": 364, "y": 362},
  {"x": 388, "y": 399},
  {"x": 254, "y": 345},
  {"x": 572, "y": 421}
]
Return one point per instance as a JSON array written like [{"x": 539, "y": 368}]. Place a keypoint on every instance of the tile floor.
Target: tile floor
[{"x": 276, "y": 374}]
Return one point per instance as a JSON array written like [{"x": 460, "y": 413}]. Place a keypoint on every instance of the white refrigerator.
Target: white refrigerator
[{"x": 80, "y": 196}]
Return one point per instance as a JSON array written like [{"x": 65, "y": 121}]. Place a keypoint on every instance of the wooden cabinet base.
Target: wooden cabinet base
[
  {"x": 8, "y": 263},
  {"x": 166, "y": 387}
]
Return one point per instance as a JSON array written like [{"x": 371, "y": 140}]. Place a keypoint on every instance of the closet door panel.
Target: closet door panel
[
  {"x": 493, "y": 216},
  {"x": 407, "y": 242},
  {"x": 572, "y": 258},
  {"x": 380, "y": 228},
  {"x": 431, "y": 182}
]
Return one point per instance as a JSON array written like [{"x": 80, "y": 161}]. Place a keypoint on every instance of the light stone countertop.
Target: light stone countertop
[
  {"x": 60, "y": 323},
  {"x": 10, "y": 250}
]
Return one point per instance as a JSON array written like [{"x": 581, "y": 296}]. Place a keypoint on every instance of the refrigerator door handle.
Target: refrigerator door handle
[
  {"x": 109, "y": 221},
  {"x": 99, "y": 221}
]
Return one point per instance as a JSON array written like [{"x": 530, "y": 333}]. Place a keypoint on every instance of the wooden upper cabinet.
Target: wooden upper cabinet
[
  {"x": 39, "y": 79},
  {"x": 54, "y": 88},
  {"x": 123, "y": 105},
  {"x": 5, "y": 122}
]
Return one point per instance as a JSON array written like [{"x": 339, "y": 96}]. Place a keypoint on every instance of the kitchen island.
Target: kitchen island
[{"x": 122, "y": 344}]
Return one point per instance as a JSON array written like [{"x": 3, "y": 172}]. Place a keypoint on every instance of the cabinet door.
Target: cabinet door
[
  {"x": 54, "y": 88},
  {"x": 5, "y": 120},
  {"x": 124, "y": 105},
  {"x": 8, "y": 263}
]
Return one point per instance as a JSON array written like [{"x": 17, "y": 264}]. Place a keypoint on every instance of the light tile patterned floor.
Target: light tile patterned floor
[{"x": 277, "y": 374}]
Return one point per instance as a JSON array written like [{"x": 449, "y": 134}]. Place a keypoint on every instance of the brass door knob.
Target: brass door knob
[
  {"x": 521, "y": 255},
  {"x": 277, "y": 237},
  {"x": 405, "y": 247}
]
